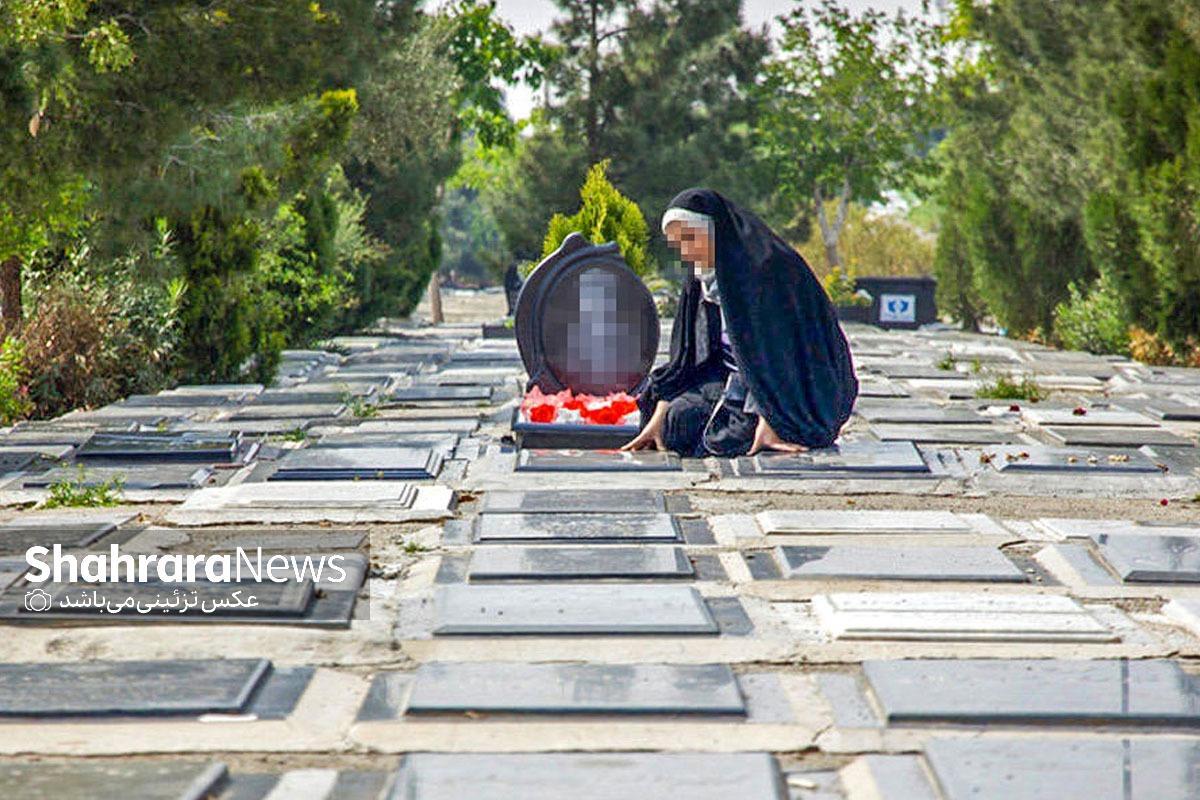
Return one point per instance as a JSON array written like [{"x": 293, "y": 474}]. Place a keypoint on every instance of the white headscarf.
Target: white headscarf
[{"x": 687, "y": 217}]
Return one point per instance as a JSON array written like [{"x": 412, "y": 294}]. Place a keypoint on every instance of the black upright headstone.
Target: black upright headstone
[{"x": 586, "y": 322}]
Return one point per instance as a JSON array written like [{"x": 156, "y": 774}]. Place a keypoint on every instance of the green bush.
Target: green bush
[
  {"x": 605, "y": 216},
  {"x": 1002, "y": 387},
  {"x": 14, "y": 389},
  {"x": 1095, "y": 321}
]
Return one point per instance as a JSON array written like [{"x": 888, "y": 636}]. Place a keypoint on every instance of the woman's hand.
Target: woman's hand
[
  {"x": 765, "y": 438},
  {"x": 651, "y": 436}
]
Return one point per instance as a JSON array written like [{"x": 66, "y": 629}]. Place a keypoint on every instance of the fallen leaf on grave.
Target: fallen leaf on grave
[
  {"x": 985, "y": 458},
  {"x": 1118, "y": 457},
  {"x": 1071, "y": 459}
]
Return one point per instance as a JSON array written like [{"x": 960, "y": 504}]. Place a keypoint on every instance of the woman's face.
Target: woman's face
[{"x": 694, "y": 243}]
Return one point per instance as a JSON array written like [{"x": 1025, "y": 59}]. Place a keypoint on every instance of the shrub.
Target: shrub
[
  {"x": 839, "y": 285},
  {"x": 14, "y": 389},
  {"x": 1149, "y": 348},
  {"x": 605, "y": 216},
  {"x": 1095, "y": 321}
]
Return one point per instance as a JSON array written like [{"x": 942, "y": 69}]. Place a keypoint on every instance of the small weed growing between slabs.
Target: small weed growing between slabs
[
  {"x": 1005, "y": 388},
  {"x": 76, "y": 494}
]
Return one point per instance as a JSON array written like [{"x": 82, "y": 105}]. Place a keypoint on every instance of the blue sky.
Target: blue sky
[{"x": 532, "y": 16}]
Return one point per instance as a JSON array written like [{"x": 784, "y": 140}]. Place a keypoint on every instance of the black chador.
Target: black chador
[{"x": 758, "y": 338}]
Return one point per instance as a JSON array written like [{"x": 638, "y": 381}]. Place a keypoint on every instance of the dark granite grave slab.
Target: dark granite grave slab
[
  {"x": 565, "y": 689},
  {"x": 945, "y": 434},
  {"x": 1151, "y": 558},
  {"x": 909, "y": 414},
  {"x": 299, "y": 395},
  {"x": 567, "y": 563},
  {"x": 1036, "y": 458},
  {"x": 15, "y": 462},
  {"x": 1179, "y": 412},
  {"x": 570, "y": 501},
  {"x": 1031, "y": 692},
  {"x": 919, "y": 563},
  {"x": 596, "y": 461},
  {"x": 443, "y": 443},
  {"x": 111, "y": 779},
  {"x": 18, "y": 535},
  {"x": 1065, "y": 769},
  {"x": 1089, "y": 436},
  {"x": 852, "y": 456},
  {"x": 209, "y": 448},
  {"x": 305, "y": 411},
  {"x": 439, "y": 393},
  {"x": 141, "y": 477},
  {"x": 351, "y": 463},
  {"x": 571, "y": 609},
  {"x": 576, "y": 527},
  {"x": 125, "y": 688},
  {"x": 596, "y": 776}
]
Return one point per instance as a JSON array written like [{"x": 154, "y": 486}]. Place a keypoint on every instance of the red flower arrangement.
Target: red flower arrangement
[{"x": 567, "y": 407}]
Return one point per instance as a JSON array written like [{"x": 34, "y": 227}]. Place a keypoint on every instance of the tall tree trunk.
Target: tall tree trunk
[
  {"x": 435, "y": 299},
  {"x": 593, "y": 121},
  {"x": 10, "y": 294},
  {"x": 832, "y": 231}
]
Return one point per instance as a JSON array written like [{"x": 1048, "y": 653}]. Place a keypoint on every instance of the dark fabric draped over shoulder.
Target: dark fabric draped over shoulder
[{"x": 784, "y": 330}]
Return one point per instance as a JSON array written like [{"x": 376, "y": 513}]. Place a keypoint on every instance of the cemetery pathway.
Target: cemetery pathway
[{"x": 967, "y": 598}]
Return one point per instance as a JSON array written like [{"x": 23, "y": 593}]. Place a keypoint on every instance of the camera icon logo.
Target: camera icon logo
[{"x": 38, "y": 600}]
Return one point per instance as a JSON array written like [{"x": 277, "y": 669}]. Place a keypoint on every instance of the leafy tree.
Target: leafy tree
[
  {"x": 849, "y": 108},
  {"x": 605, "y": 215}
]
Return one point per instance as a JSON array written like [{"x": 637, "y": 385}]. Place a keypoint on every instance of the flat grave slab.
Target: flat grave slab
[
  {"x": 1038, "y": 458},
  {"x": 120, "y": 688},
  {"x": 439, "y": 393},
  {"x": 298, "y": 396},
  {"x": 1151, "y": 557},
  {"x": 908, "y": 414},
  {"x": 15, "y": 461},
  {"x": 111, "y": 779},
  {"x": 958, "y": 616},
  {"x": 1087, "y": 436},
  {"x": 576, "y": 528},
  {"x": 325, "y": 494},
  {"x": 603, "y": 609},
  {"x": 862, "y": 522},
  {"x": 561, "y": 689},
  {"x": 69, "y": 530},
  {"x": 549, "y": 501},
  {"x": 945, "y": 434},
  {"x": 416, "y": 426},
  {"x": 155, "y": 446},
  {"x": 1035, "y": 691},
  {"x": 309, "y": 411},
  {"x": 564, "y": 563},
  {"x": 1174, "y": 412},
  {"x": 443, "y": 443},
  {"x": 1060, "y": 768},
  {"x": 851, "y": 456},
  {"x": 355, "y": 463},
  {"x": 923, "y": 563},
  {"x": 1093, "y": 417},
  {"x": 141, "y": 477},
  {"x": 596, "y": 776},
  {"x": 596, "y": 461}
]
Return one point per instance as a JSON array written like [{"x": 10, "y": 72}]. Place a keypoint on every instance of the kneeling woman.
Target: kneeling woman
[{"x": 758, "y": 360}]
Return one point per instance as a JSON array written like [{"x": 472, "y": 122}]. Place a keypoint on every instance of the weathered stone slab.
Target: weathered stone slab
[
  {"x": 1091, "y": 417},
  {"x": 326, "y": 494},
  {"x": 68, "y": 529},
  {"x": 563, "y": 563},
  {"x": 358, "y": 463},
  {"x": 308, "y": 411},
  {"x": 1179, "y": 412},
  {"x": 909, "y": 414},
  {"x": 958, "y": 616},
  {"x": 119, "y": 688},
  {"x": 111, "y": 779},
  {"x": 1150, "y": 557},
  {"x": 852, "y": 456},
  {"x": 501, "y": 688},
  {"x": 984, "y": 564},
  {"x": 161, "y": 476},
  {"x": 416, "y": 426},
  {"x": 605, "y": 609},
  {"x": 596, "y": 461},
  {"x": 1058, "y": 768},
  {"x": 1031, "y": 691},
  {"x": 1087, "y": 436},
  {"x": 155, "y": 446},
  {"x": 439, "y": 393},
  {"x": 597, "y": 776},
  {"x": 862, "y": 522},
  {"x": 945, "y": 434},
  {"x": 576, "y": 527},
  {"x": 1035, "y": 458},
  {"x": 568, "y": 501}
]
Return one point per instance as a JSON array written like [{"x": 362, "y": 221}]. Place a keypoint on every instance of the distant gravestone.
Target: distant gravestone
[
  {"x": 1150, "y": 558},
  {"x": 584, "y": 528},
  {"x": 586, "y": 322},
  {"x": 611, "y": 501},
  {"x": 923, "y": 563},
  {"x": 597, "y": 461},
  {"x": 574, "y": 563}
]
